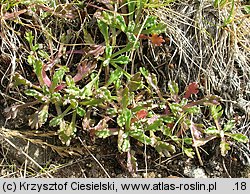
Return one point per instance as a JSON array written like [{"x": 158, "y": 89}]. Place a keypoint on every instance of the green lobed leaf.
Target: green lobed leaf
[
  {"x": 29, "y": 37},
  {"x": 34, "y": 93},
  {"x": 120, "y": 22},
  {"x": 121, "y": 120},
  {"x": 74, "y": 91},
  {"x": 125, "y": 145},
  {"x": 37, "y": 66},
  {"x": 189, "y": 152},
  {"x": 193, "y": 110},
  {"x": 69, "y": 81},
  {"x": 183, "y": 102},
  {"x": 238, "y": 137},
  {"x": 212, "y": 130},
  {"x": 176, "y": 109},
  {"x": 135, "y": 82},
  {"x": 108, "y": 18},
  {"x": 121, "y": 60},
  {"x": 168, "y": 119},
  {"x": 229, "y": 125},
  {"x": 108, "y": 51},
  {"x": 140, "y": 136},
  {"x": 155, "y": 29},
  {"x": 131, "y": 38},
  {"x": 144, "y": 71},
  {"x": 92, "y": 102},
  {"x": 115, "y": 75},
  {"x": 56, "y": 97},
  {"x": 167, "y": 131},
  {"x": 80, "y": 111},
  {"x": 43, "y": 114},
  {"x": 131, "y": 27},
  {"x": 123, "y": 141},
  {"x": 131, "y": 9},
  {"x": 128, "y": 115},
  {"x": 87, "y": 37},
  {"x": 151, "y": 21},
  {"x": 155, "y": 126},
  {"x": 56, "y": 121},
  {"x": 112, "y": 112},
  {"x": 104, "y": 133},
  {"x": 43, "y": 54},
  {"x": 20, "y": 80},
  {"x": 188, "y": 141},
  {"x": 66, "y": 132},
  {"x": 86, "y": 91},
  {"x": 104, "y": 30},
  {"x": 73, "y": 103},
  {"x": 216, "y": 111}
]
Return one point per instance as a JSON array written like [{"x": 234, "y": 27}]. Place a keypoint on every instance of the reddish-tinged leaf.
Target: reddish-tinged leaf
[
  {"x": 143, "y": 36},
  {"x": 46, "y": 79},
  {"x": 156, "y": 40},
  {"x": 191, "y": 89},
  {"x": 141, "y": 114},
  {"x": 84, "y": 69},
  {"x": 97, "y": 50},
  {"x": 59, "y": 87}
]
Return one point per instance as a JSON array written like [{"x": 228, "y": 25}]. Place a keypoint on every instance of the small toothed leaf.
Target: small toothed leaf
[
  {"x": 80, "y": 111},
  {"x": 66, "y": 132},
  {"x": 216, "y": 111},
  {"x": 164, "y": 148},
  {"x": 229, "y": 125},
  {"x": 55, "y": 121},
  {"x": 189, "y": 152},
  {"x": 156, "y": 40},
  {"x": 191, "y": 89}
]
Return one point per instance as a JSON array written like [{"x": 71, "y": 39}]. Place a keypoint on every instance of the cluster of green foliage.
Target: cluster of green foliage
[{"x": 131, "y": 106}]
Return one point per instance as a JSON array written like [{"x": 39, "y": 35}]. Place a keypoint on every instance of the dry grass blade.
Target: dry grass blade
[{"x": 26, "y": 155}]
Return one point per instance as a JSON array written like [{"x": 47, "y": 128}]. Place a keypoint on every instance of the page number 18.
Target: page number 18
[{"x": 241, "y": 186}]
